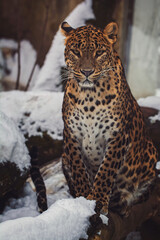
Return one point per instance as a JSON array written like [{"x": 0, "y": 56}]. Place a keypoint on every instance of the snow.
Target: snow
[
  {"x": 158, "y": 166},
  {"x": 8, "y": 43},
  {"x": 104, "y": 219},
  {"x": 34, "y": 111},
  {"x": 27, "y": 58},
  {"x": 157, "y": 92},
  {"x": 66, "y": 219},
  {"x": 12, "y": 144},
  {"x": 152, "y": 102},
  {"x": 49, "y": 77}
]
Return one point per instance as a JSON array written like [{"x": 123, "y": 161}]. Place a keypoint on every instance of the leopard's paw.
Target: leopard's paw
[
  {"x": 104, "y": 210},
  {"x": 90, "y": 197}
]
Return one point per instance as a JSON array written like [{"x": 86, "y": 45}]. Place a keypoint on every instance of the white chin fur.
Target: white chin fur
[{"x": 86, "y": 84}]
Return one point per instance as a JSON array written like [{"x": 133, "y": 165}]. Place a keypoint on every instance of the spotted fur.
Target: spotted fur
[{"x": 107, "y": 154}]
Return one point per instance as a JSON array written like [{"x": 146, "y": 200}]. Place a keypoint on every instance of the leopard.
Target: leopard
[{"x": 108, "y": 156}]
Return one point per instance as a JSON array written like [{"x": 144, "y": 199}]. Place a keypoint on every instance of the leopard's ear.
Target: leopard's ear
[
  {"x": 66, "y": 29},
  {"x": 111, "y": 31}
]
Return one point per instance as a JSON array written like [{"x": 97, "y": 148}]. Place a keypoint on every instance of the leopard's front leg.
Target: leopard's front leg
[
  {"x": 105, "y": 178},
  {"x": 74, "y": 168}
]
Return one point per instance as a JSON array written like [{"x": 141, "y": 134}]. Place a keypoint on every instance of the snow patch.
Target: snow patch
[
  {"x": 104, "y": 219},
  {"x": 49, "y": 77},
  {"x": 151, "y": 101},
  {"x": 158, "y": 167},
  {"x": 34, "y": 112},
  {"x": 157, "y": 92},
  {"x": 66, "y": 219},
  {"x": 12, "y": 144},
  {"x": 8, "y": 43}
]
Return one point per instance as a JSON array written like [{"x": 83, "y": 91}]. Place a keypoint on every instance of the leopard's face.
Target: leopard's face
[{"x": 89, "y": 53}]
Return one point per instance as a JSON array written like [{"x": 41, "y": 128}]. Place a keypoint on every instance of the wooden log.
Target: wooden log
[{"x": 118, "y": 227}]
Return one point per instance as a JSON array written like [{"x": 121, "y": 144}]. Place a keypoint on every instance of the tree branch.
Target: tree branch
[
  {"x": 18, "y": 22},
  {"x": 19, "y": 65}
]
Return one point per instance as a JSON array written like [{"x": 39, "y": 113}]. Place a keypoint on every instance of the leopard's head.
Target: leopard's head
[{"x": 89, "y": 52}]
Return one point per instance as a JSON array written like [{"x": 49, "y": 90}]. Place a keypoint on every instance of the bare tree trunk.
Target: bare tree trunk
[
  {"x": 19, "y": 65},
  {"x": 47, "y": 5}
]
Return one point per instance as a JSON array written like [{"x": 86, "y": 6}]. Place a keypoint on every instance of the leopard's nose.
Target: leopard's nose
[{"x": 87, "y": 73}]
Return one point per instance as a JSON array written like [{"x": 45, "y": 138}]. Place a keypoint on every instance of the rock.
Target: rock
[
  {"x": 48, "y": 148},
  {"x": 11, "y": 181},
  {"x": 14, "y": 159}
]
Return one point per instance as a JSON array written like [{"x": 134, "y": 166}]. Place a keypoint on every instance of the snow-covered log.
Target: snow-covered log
[
  {"x": 67, "y": 219},
  {"x": 39, "y": 116}
]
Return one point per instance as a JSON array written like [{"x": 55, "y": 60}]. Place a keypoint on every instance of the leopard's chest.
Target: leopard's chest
[{"x": 92, "y": 131}]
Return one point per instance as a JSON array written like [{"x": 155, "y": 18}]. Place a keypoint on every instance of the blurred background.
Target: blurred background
[
  {"x": 29, "y": 30},
  {"x": 32, "y": 60}
]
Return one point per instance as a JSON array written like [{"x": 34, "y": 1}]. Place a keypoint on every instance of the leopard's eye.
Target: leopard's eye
[
  {"x": 99, "y": 53},
  {"x": 76, "y": 52}
]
